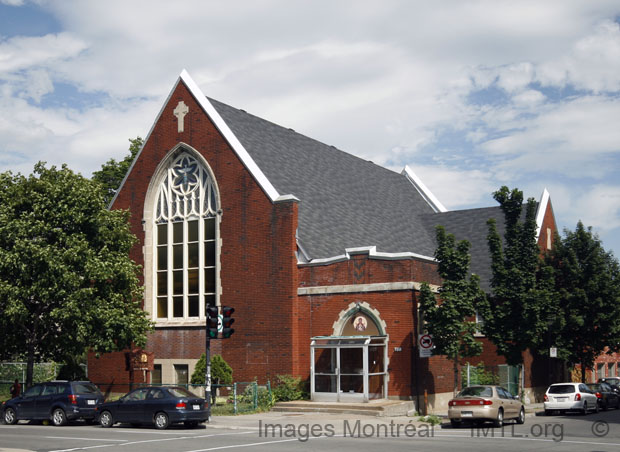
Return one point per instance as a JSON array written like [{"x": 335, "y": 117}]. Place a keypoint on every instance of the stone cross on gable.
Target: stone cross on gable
[{"x": 180, "y": 111}]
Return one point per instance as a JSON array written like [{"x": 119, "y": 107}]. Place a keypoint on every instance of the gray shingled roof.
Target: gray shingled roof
[
  {"x": 471, "y": 225},
  {"x": 345, "y": 201},
  {"x": 348, "y": 202}
]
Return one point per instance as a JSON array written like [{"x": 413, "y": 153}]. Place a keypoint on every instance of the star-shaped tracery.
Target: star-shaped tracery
[{"x": 185, "y": 175}]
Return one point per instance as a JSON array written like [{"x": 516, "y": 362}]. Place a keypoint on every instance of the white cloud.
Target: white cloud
[
  {"x": 47, "y": 51},
  {"x": 598, "y": 207},
  {"x": 456, "y": 188},
  {"x": 593, "y": 63},
  {"x": 391, "y": 81}
]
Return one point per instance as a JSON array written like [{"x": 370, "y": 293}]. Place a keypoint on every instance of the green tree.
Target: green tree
[
  {"x": 516, "y": 312},
  {"x": 221, "y": 372},
  {"x": 66, "y": 280},
  {"x": 587, "y": 284},
  {"x": 112, "y": 172},
  {"x": 450, "y": 322}
]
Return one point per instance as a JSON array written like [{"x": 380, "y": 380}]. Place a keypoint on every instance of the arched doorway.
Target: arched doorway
[{"x": 351, "y": 365}]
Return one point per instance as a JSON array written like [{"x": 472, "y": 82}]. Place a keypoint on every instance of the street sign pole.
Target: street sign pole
[
  {"x": 210, "y": 312},
  {"x": 208, "y": 376}
]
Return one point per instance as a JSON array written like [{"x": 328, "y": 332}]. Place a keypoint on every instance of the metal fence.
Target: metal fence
[
  {"x": 503, "y": 375},
  {"x": 226, "y": 399},
  {"x": 11, "y": 371}
]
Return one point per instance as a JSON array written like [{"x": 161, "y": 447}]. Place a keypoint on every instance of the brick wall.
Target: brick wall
[{"x": 258, "y": 262}]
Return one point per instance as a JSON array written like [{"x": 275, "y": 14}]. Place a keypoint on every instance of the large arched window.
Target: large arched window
[{"x": 184, "y": 239}]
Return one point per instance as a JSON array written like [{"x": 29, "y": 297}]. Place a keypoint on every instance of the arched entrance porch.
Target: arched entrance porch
[{"x": 351, "y": 365}]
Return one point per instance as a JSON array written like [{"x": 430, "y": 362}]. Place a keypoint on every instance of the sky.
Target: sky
[{"x": 472, "y": 95}]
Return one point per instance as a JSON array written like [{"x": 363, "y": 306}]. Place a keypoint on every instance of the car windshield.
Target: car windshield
[
  {"x": 561, "y": 389},
  {"x": 181, "y": 392},
  {"x": 594, "y": 386},
  {"x": 476, "y": 391},
  {"x": 85, "y": 388}
]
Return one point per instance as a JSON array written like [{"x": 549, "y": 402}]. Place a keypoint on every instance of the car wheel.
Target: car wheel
[
  {"x": 161, "y": 421},
  {"x": 59, "y": 417},
  {"x": 584, "y": 410},
  {"x": 106, "y": 420},
  {"x": 521, "y": 418},
  {"x": 10, "y": 417},
  {"x": 191, "y": 424},
  {"x": 454, "y": 423},
  {"x": 499, "y": 421}
]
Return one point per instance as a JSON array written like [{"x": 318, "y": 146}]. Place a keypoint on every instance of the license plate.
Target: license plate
[
  {"x": 561, "y": 399},
  {"x": 467, "y": 413},
  {"x": 91, "y": 402},
  {"x": 196, "y": 407}
]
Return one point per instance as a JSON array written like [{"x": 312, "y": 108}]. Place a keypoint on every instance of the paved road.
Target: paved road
[{"x": 284, "y": 432}]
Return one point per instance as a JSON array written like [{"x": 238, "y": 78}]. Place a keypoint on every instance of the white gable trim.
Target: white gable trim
[
  {"x": 364, "y": 288},
  {"x": 372, "y": 253},
  {"x": 428, "y": 196},
  {"x": 542, "y": 208},
  {"x": 234, "y": 142},
  {"x": 228, "y": 135}
]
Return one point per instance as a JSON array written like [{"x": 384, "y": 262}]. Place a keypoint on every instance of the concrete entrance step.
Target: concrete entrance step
[{"x": 374, "y": 408}]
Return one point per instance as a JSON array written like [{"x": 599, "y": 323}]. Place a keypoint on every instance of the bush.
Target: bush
[
  {"x": 480, "y": 375},
  {"x": 266, "y": 399},
  {"x": 288, "y": 388},
  {"x": 221, "y": 372},
  {"x": 430, "y": 419},
  {"x": 72, "y": 369}
]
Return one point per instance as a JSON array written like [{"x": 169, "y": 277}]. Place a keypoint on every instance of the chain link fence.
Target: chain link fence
[
  {"x": 226, "y": 399},
  {"x": 11, "y": 371},
  {"x": 502, "y": 374}
]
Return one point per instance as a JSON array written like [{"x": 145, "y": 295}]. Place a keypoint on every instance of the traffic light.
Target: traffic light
[
  {"x": 227, "y": 321},
  {"x": 212, "y": 322}
]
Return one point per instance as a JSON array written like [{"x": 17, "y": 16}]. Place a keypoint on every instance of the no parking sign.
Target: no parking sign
[{"x": 425, "y": 345}]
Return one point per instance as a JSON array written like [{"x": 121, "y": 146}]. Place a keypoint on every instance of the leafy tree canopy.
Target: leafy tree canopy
[
  {"x": 516, "y": 312},
  {"x": 112, "y": 172},
  {"x": 450, "y": 322},
  {"x": 66, "y": 280},
  {"x": 587, "y": 286}
]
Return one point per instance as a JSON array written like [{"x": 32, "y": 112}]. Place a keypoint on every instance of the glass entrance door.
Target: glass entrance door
[
  {"x": 351, "y": 375},
  {"x": 348, "y": 369}
]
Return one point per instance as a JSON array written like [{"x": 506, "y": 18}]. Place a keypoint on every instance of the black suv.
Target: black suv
[{"x": 58, "y": 401}]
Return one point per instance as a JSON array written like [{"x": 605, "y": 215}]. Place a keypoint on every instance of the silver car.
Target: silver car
[
  {"x": 570, "y": 397},
  {"x": 485, "y": 403}
]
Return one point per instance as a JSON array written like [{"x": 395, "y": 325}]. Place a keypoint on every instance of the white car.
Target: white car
[{"x": 570, "y": 397}]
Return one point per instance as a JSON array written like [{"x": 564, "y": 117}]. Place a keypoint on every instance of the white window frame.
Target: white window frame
[{"x": 208, "y": 207}]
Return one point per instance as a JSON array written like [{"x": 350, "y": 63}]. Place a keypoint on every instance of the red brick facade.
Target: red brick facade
[{"x": 260, "y": 276}]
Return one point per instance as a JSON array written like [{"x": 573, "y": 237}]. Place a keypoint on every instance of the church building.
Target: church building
[{"x": 320, "y": 253}]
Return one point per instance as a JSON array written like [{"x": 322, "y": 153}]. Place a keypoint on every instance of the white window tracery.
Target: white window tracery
[{"x": 185, "y": 227}]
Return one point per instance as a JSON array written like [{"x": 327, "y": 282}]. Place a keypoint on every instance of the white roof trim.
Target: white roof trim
[
  {"x": 364, "y": 288},
  {"x": 542, "y": 208},
  {"x": 221, "y": 125},
  {"x": 428, "y": 196},
  {"x": 234, "y": 142},
  {"x": 372, "y": 254}
]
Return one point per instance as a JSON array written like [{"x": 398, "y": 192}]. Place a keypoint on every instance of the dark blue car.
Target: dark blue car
[
  {"x": 157, "y": 405},
  {"x": 57, "y": 401}
]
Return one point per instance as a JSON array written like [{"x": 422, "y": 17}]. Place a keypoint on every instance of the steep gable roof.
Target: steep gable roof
[{"x": 345, "y": 202}]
